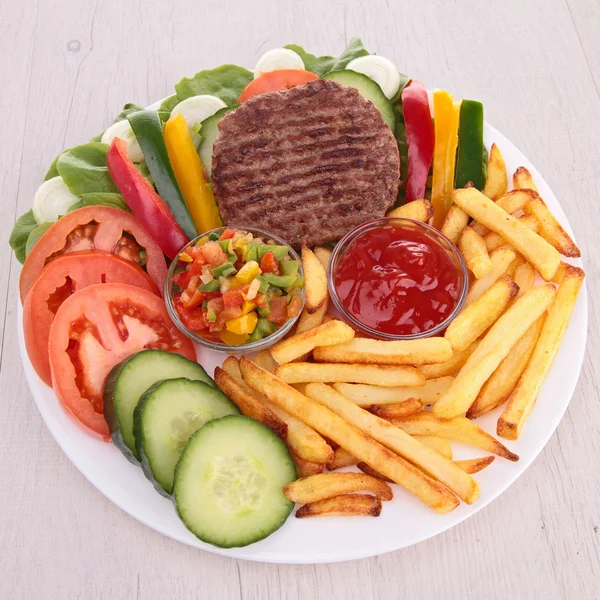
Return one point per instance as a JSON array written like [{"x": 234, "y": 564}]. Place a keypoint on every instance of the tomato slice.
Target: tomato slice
[
  {"x": 95, "y": 329},
  {"x": 269, "y": 264},
  {"x": 95, "y": 228},
  {"x": 274, "y": 81},
  {"x": 59, "y": 280}
]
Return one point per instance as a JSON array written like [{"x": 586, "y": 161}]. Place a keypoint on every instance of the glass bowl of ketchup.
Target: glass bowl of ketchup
[{"x": 397, "y": 279}]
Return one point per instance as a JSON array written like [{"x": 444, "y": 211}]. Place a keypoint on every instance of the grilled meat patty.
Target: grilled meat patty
[{"x": 308, "y": 164}]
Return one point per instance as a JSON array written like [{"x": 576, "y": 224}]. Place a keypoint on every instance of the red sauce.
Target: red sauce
[{"x": 397, "y": 280}]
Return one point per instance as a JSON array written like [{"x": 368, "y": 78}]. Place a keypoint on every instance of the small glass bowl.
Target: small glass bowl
[
  {"x": 435, "y": 236},
  {"x": 172, "y": 289}
]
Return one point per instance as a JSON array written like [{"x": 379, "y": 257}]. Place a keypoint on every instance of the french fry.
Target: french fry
[
  {"x": 492, "y": 350},
  {"x": 310, "y": 320},
  {"x": 249, "y": 404},
  {"x": 347, "y": 505},
  {"x": 305, "y": 468},
  {"x": 515, "y": 200},
  {"x": 497, "y": 179},
  {"x": 459, "y": 429},
  {"x": 497, "y": 389},
  {"x": 493, "y": 240},
  {"x": 417, "y": 210},
  {"x": 474, "y": 465},
  {"x": 478, "y": 228},
  {"x": 386, "y": 375},
  {"x": 264, "y": 359},
  {"x": 342, "y": 458},
  {"x": 524, "y": 278},
  {"x": 476, "y": 318},
  {"x": 439, "y": 444},
  {"x": 355, "y": 441},
  {"x": 510, "y": 423},
  {"x": 501, "y": 261},
  {"x": 368, "y": 351},
  {"x": 522, "y": 179},
  {"x": 365, "y": 468},
  {"x": 514, "y": 265},
  {"x": 474, "y": 251},
  {"x": 450, "y": 367},
  {"x": 397, "y": 410},
  {"x": 454, "y": 223},
  {"x": 534, "y": 248},
  {"x": 315, "y": 280},
  {"x": 430, "y": 461},
  {"x": 324, "y": 256},
  {"x": 327, "y": 485},
  {"x": 330, "y": 333},
  {"x": 560, "y": 272},
  {"x": 369, "y": 395},
  {"x": 550, "y": 229}
]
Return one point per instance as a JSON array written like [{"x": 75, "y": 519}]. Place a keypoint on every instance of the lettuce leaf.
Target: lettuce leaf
[
  {"x": 24, "y": 225},
  {"x": 34, "y": 236},
  {"x": 226, "y": 82},
  {"x": 320, "y": 65},
  {"x": 168, "y": 104}
]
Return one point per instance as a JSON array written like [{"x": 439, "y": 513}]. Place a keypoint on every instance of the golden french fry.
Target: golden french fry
[
  {"x": 514, "y": 265},
  {"x": 330, "y": 333},
  {"x": 474, "y": 251},
  {"x": 347, "y": 505},
  {"x": 476, "y": 318},
  {"x": 550, "y": 229},
  {"x": 386, "y": 375},
  {"x": 327, "y": 485},
  {"x": 515, "y": 200},
  {"x": 450, "y": 367},
  {"x": 430, "y": 461},
  {"x": 249, "y": 404},
  {"x": 368, "y": 351},
  {"x": 454, "y": 223},
  {"x": 560, "y": 272},
  {"x": 309, "y": 321},
  {"x": 397, "y": 410},
  {"x": 341, "y": 458},
  {"x": 510, "y": 423},
  {"x": 493, "y": 240},
  {"x": 497, "y": 389},
  {"x": 264, "y": 360},
  {"x": 459, "y": 429},
  {"x": 369, "y": 395},
  {"x": 365, "y": 468},
  {"x": 417, "y": 210},
  {"x": 492, "y": 350},
  {"x": 522, "y": 179},
  {"x": 439, "y": 444},
  {"x": 501, "y": 261},
  {"x": 305, "y": 468},
  {"x": 315, "y": 280},
  {"x": 497, "y": 179},
  {"x": 355, "y": 441},
  {"x": 478, "y": 228},
  {"x": 474, "y": 465},
  {"x": 324, "y": 256},
  {"x": 524, "y": 278}
]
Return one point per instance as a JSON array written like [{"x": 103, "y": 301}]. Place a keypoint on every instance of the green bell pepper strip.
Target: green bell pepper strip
[
  {"x": 469, "y": 164},
  {"x": 148, "y": 130}
]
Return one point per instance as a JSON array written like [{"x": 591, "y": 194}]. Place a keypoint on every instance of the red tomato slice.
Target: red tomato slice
[
  {"x": 96, "y": 328},
  {"x": 273, "y": 81},
  {"x": 95, "y": 228},
  {"x": 60, "y": 279},
  {"x": 269, "y": 264}
]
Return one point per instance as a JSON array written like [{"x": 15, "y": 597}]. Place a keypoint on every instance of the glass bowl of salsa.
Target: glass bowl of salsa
[
  {"x": 235, "y": 289},
  {"x": 397, "y": 279}
]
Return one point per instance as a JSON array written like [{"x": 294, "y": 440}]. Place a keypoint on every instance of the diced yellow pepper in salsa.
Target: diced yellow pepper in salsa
[
  {"x": 243, "y": 325},
  {"x": 246, "y": 274}
]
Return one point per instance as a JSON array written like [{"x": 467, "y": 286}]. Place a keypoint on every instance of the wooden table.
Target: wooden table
[{"x": 67, "y": 67}]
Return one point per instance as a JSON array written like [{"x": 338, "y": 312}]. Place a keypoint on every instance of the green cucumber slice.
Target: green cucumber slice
[
  {"x": 210, "y": 130},
  {"x": 229, "y": 480}
]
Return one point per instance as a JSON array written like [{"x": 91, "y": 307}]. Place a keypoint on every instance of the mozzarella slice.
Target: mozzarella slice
[
  {"x": 52, "y": 200},
  {"x": 381, "y": 70},
  {"x": 276, "y": 59},
  {"x": 197, "y": 108},
  {"x": 122, "y": 130}
]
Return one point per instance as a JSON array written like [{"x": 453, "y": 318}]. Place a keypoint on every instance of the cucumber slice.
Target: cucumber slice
[
  {"x": 229, "y": 480},
  {"x": 165, "y": 418},
  {"x": 130, "y": 379},
  {"x": 210, "y": 130},
  {"x": 368, "y": 89}
]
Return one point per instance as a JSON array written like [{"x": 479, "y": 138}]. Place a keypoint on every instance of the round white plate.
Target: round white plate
[{"x": 404, "y": 521}]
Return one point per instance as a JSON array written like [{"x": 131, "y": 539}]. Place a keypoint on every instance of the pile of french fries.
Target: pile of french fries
[{"x": 391, "y": 407}]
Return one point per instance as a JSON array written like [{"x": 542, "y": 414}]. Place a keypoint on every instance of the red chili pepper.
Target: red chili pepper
[
  {"x": 419, "y": 137},
  {"x": 148, "y": 207}
]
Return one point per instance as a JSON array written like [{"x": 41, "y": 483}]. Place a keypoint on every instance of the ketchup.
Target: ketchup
[{"x": 396, "y": 280}]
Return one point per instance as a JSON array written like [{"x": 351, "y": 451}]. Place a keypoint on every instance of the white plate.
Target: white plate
[{"x": 404, "y": 521}]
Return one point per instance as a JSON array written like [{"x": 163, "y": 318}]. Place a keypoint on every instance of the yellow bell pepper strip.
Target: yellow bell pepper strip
[
  {"x": 246, "y": 274},
  {"x": 445, "y": 123},
  {"x": 242, "y": 325},
  {"x": 232, "y": 339},
  {"x": 190, "y": 175}
]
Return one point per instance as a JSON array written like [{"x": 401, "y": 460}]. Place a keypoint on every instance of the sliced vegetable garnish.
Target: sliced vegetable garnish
[
  {"x": 122, "y": 129},
  {"x": 52, "y": 200},
  {"x": 198, "y": 108},
  {"x": 275, "y": 81},
  {"x": 469, "y": 166},
  {"x": 381, "y": 70},
  {"x": 276, "y": 60}
]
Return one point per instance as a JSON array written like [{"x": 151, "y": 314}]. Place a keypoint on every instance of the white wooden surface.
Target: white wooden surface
[{"x": 65, "y": 70}]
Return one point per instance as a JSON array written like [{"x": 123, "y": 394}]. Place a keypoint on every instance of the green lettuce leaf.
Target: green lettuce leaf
[
  {"x": 35, "y": 235},
  {"x": 24, "y": 225},
  {"x": 112, "y": 199},
  {"x": 226, "y": 82},
  {"x": 52, "y": 171},
  {"x": 168, "y": 104},
  {"x": 320, "y": 65}
]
